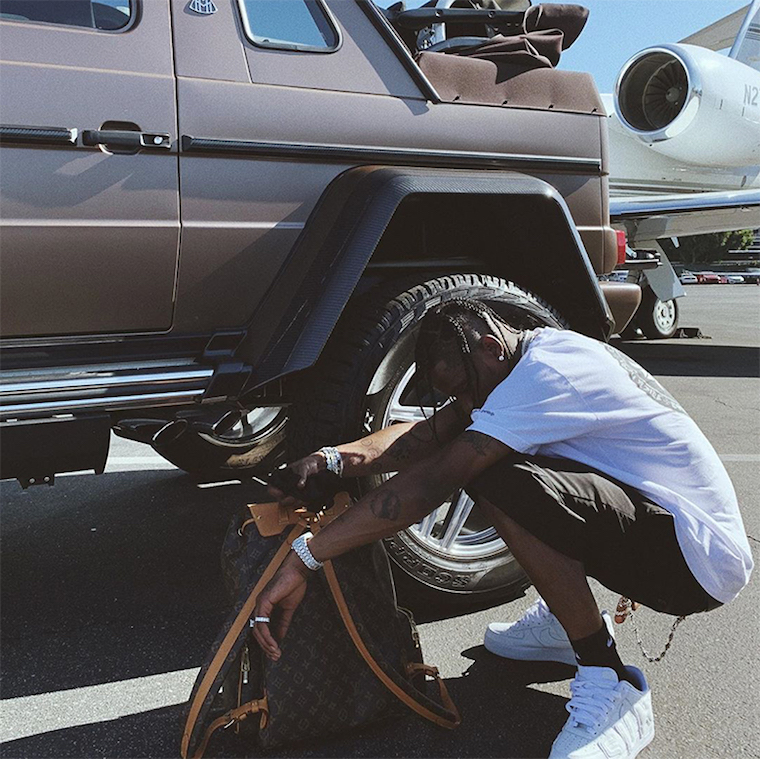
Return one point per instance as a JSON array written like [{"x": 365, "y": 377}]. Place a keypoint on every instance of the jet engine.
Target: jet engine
[{"x": 692, "y": 104}]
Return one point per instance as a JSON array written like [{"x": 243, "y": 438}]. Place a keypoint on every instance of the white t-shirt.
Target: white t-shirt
[{"x": 572, "y": 397}]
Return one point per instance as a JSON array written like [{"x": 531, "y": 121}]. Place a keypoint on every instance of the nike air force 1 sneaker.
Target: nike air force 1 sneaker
[
  {"x": 536, "y": 636},
  {"x": 609, "y": 718}
]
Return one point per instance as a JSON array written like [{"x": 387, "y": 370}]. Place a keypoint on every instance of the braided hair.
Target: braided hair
[{"x": 449, "y": 332}]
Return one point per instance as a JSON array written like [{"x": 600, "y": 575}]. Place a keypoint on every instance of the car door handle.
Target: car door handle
[{"x": 126, "y": 139}]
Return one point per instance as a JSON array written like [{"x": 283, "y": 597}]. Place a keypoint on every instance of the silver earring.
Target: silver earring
[{"x": 501, "y": 358}]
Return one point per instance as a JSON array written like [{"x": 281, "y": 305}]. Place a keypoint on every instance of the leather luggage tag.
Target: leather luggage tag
[{"x": 272, "y": 518}]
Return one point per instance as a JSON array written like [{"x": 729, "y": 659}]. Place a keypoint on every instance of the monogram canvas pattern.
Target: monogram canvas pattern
[{"x": 320, "y": 685}]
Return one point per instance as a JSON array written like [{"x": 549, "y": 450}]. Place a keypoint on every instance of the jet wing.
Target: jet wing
[
  {"x": 656, "y": 217},
  {"x": 721, "y": 34}
]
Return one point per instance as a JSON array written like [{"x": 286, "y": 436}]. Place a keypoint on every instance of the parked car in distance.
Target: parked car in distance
[
  {"x": 708, "y": 278},
  {"x": 688, "y": 278},
  {"x": 732, "y": 279}
]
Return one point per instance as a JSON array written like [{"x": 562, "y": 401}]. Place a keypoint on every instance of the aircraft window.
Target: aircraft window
[
  {"x": 109, "y": 15},
  {"x": 304, "y": 25}
]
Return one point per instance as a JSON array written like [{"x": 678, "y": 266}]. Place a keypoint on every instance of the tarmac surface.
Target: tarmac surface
[{"x": 112, "y": 594}]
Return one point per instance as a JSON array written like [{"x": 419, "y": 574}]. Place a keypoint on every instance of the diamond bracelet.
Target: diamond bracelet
[
  {"x": 301, "y": 547},
  {"x": 333, "y": 460}
]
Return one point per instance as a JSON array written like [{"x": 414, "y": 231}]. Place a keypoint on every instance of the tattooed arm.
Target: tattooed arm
[
  {"x": 397, "y": 503},
  {"x": 397, "y": 447},
  {"x": 392, "y": 449},
  {"x": 410, "y": 495}
]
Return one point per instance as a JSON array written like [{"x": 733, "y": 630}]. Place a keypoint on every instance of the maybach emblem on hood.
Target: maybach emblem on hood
[{"x": 204, "y": 7}]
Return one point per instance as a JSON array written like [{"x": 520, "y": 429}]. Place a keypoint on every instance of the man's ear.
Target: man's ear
[{"x": 492, "y": 346}]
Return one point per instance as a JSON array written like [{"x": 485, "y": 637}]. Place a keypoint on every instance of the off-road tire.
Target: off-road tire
[{"x": 371, "y": 348}]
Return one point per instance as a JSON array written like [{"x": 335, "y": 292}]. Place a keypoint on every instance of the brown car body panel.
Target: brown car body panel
[
  {"x": 89, "y": 239},
  {"x": 363, "y": 63},
  {"x": 240, "y": 216},
  {"x": 230, "y": 195}
]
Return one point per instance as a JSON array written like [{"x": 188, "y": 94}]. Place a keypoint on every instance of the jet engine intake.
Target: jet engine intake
[{"x": 691, "y": 104}]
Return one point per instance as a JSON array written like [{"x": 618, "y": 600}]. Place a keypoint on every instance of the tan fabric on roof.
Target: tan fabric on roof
[
  {"x": 531, "y": 51},
  {"x": 569, "y": 19},
  {"x": 473, "y": 80},
  {"x": 547, "y": 31}
]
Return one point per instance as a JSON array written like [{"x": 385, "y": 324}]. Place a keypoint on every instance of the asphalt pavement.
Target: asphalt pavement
[{"x": 111, "y": 594}]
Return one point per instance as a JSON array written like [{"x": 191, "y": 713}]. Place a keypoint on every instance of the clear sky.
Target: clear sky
[{"x": 617, "y": 29}]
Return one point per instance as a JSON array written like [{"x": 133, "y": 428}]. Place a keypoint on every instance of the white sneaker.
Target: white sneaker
[
  {"x": 536, "y": 636},
  {"x": 609, "y": 718}
]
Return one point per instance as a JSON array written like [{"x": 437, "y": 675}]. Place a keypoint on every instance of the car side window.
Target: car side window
[
  {"x": 108, "y": 15},
  {"x": 304, "y": 25}
]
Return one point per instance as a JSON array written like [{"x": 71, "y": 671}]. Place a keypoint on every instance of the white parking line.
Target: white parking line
[
  {"x": 130, "y": 463},
  {"x": 43, "y": 713}
]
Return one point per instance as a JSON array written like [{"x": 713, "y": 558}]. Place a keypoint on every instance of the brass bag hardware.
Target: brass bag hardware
[{"x": 272, "y": 518}]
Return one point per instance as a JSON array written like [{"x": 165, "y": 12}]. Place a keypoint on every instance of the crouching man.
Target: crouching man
[{"x": 586, "y": 466}]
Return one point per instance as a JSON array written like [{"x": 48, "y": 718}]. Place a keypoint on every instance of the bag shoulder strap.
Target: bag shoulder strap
[
  {"x": 452, "y": 717},
  {"x": 234, "y": 715},
  {"x": 238, "y": 626}
]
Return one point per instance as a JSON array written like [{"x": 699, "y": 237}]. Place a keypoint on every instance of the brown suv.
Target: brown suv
[{"x": 222, "y": 222}]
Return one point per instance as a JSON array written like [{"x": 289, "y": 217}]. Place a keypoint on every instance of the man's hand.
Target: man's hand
[
  {"x": 392, "y": 449},
  {"x": 278, "y": 601},
  {"x": 301, "y": 469},
  {"x": 394, "y": 505},
  {"x": 409, "y": 496}
]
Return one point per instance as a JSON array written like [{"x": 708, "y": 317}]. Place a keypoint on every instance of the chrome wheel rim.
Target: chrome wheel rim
[{"x": 455, "y": 530}]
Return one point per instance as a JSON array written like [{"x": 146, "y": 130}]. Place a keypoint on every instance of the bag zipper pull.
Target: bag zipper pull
[{"x": 246, "y": 665}]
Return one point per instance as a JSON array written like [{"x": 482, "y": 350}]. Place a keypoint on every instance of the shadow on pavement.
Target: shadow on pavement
[
  {"x": 103, "y": 584},
  {"x": 693, "y": 359},
  {"x": 150, "y": 734},
  {"x": 502, "y": 717},
  {"x": 91, "y": 574}
]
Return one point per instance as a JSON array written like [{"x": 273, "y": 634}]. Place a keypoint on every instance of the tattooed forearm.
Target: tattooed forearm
[
  {"x": 376, "y": 467},
  {"x": 479, "y": 442},
  {"x": 385, "y": 504},
  {"x": 369, "y": 457},
  {"x": 399, "y": 446},
  {"x": 403, "y": 448}
]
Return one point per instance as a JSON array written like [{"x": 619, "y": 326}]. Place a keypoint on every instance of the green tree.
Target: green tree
[{"x": 704, "y": 249}]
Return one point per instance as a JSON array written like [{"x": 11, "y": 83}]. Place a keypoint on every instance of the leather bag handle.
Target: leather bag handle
[
  {"x": 450, "y": 721},
  {"x": 234, "y": 715},
  {"x": 239, "y": 624}
]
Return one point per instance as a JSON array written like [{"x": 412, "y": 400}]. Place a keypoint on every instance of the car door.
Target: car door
[
  {"x": 279, "y": 97},
  {"x": 89, "y": 184},
  {"x": 262, "y": 84}
]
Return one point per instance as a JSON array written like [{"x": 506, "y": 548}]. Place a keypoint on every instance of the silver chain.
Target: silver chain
[{"x": 625, "y": 608}]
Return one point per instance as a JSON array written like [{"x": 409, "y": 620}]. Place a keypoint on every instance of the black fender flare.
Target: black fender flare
[{"x": 296, "y": 317}]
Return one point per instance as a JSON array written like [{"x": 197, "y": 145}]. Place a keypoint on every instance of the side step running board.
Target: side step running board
[{"x": 111, "y": 387}]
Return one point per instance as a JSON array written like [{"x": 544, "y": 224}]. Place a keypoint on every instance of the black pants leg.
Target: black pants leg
[{"x": 624, "y": 541}]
